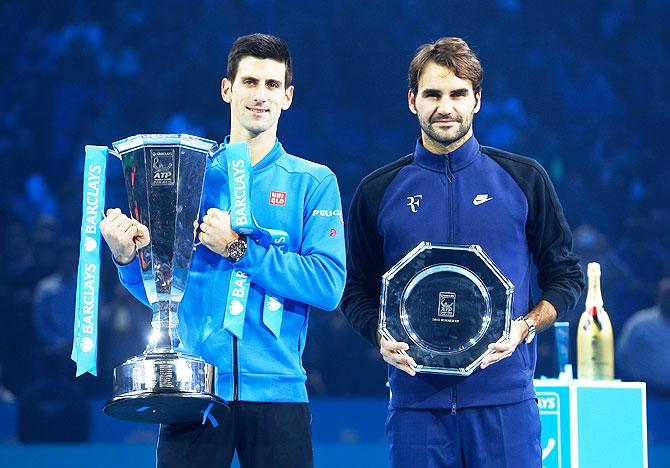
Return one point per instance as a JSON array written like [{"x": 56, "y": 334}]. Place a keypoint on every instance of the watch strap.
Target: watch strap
[{"x": 531, "y": 329}]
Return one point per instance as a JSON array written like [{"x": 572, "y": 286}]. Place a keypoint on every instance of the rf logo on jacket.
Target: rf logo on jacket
[{"x": 413, "y": 202}]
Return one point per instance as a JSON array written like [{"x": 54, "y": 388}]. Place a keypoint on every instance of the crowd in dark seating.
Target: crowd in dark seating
[{"x": 580, "y": 86}]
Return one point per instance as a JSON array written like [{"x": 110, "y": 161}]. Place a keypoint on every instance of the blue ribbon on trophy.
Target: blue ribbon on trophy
[
  {"x": 85, "y": 340},
  {"x": 244, "y": 223}
]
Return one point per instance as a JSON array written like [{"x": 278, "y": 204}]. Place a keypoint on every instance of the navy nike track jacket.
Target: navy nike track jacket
[{"x": 474, "y": 195}]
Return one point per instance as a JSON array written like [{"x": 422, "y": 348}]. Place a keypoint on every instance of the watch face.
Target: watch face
[
  {"x": 531, "y": 329},
  {"x": 237, "y": 249}
]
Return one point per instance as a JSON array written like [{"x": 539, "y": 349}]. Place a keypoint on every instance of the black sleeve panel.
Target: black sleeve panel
[
  {"x": 549, "y": 237},
  {"x": 365, "y": 251}
]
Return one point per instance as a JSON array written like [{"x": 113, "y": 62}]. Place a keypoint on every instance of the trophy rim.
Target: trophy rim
[{"x": 134, "y": 142}]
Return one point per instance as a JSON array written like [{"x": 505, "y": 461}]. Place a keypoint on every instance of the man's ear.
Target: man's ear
[
  {"x": 288, "y": 98},
  {"x": 226, "y": 90},
  {"x": 478, "y": 101},
  {"x": 411, "y": 101}
]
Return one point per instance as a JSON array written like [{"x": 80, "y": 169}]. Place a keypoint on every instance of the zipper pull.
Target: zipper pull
[{"x": 450, "y": 175}]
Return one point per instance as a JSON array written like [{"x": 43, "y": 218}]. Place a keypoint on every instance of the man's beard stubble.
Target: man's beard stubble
[{"x": 463, "y": 128}]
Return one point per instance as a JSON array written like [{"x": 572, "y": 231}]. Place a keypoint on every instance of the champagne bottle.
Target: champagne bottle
[{"x": 595, "y": 345}]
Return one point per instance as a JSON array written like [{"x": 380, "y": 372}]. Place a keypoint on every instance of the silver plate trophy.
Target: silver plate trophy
[
  {"x": 164, "y": 177},
  {"x": 448, "y": 302}
]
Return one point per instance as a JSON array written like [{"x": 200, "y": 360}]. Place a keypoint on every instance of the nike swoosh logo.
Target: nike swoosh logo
[{"x": 479, "y": 199}]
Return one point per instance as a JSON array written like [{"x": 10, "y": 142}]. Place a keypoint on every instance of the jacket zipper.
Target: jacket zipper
[
  {"x": 236, "y": 382},
  {"x": 450, "y": 183}
]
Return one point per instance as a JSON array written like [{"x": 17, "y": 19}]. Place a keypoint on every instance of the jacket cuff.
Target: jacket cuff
[
  {"x": 252, "y": 258},
  {"x": 556, "y": 299},
  {"x": 129, "y": 273},
  {"x": 372, "y": 333}
]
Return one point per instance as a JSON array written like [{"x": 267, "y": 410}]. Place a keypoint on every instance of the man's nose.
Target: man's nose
[
  {"x": 445, "y": 106},
  {"x": 261, "y": 94}
]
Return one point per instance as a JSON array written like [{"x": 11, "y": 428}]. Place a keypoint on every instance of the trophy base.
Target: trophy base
[
  {"x": 166, "y": 408},
  {"x": 165, "y": 388}
]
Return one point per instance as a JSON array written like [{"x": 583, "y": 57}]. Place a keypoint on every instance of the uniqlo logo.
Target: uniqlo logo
[{"x": 277, "y": 198}]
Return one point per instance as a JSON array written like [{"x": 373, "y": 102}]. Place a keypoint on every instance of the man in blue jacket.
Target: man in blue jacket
[
  {"x": 452, "y": 190},
  {"x": 259, "y": 362}
]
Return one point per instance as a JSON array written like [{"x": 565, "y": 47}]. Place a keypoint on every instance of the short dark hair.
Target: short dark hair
[
  {"x": 262, "y": 46},
  {"x": 451, "y": 52}
]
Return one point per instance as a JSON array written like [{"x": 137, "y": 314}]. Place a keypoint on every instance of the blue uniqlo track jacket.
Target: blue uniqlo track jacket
[
  {"x": 474, "y": 195},
  {"x": 289, "y": 194}
]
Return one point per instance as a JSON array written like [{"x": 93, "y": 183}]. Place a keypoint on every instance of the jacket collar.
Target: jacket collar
[
  {"x": 458, "y": 159},
  {"x": 275, "y": 153}
]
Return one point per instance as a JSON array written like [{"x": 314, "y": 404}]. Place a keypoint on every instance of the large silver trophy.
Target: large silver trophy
[
  {"x": 448, "y": 302},
  {"x": 164, "y": 177}
]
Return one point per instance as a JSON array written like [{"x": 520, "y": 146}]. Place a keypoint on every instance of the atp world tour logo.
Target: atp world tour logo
[
  {"x": 162, "y": 167},
  {"x": 446, "y": 305}
]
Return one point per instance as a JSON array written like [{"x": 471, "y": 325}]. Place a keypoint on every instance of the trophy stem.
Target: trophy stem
[{"x": 164, "y": 337}]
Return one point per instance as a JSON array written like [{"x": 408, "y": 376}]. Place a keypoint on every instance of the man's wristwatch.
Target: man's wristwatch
[
  {"x": 531, "y": 329},
  {"x": 236, "y": 249}
]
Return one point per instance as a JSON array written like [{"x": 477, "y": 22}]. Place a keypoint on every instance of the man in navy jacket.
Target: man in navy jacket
[{"x": 452, "y": 190}]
